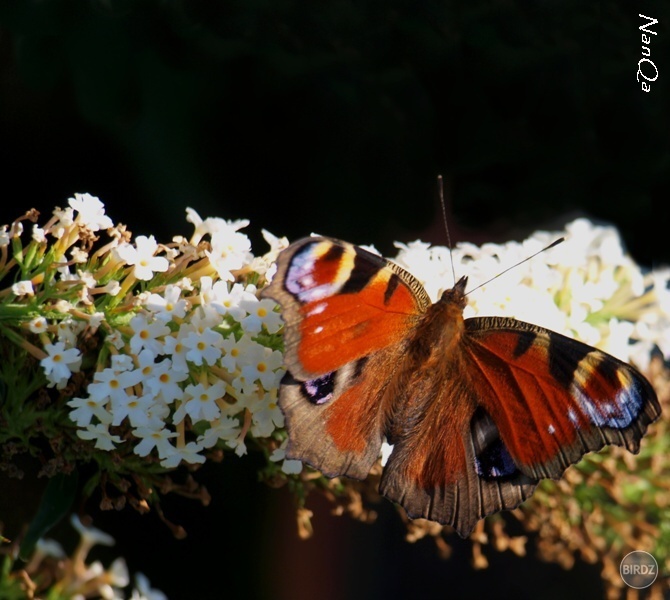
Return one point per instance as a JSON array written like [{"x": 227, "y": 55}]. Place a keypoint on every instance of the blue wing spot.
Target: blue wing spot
[
  {"x": 492, "y": 458},
  {"x": 319, "y": 390},
  {"x": 495, "y": 462},
  {"x": 617, "y": 413},
  {"x": 299, "y": 279}
]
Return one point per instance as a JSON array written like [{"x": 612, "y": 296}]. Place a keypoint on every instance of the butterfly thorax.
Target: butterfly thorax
[
  {"x": 432, "y": 354},
  {"x": 437, "y": 333}
]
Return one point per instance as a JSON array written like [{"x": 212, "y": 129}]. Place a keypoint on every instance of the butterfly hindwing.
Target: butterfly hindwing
[
  {"x": 448, "y": 462},
  {"x": 463, "y": 474},
  {"x": 337, "y": 420}
]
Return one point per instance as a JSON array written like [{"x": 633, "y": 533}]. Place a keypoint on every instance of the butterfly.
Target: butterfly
[{"x": 477, "y": 410}]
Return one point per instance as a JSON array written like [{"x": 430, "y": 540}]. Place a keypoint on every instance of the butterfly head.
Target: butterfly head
[{"x": 456, "y": 295}]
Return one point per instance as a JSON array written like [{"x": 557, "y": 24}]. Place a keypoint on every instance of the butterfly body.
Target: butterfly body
[{"x": 478, "y": 410}]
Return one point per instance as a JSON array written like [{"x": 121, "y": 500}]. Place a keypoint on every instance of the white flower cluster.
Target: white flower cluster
[
  {"x": 191, "y": 365},
  {"x": 190, "y": 353},
  {"x": 586, "y": 287}
]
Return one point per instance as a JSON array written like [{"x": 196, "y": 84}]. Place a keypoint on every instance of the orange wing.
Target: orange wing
[
  {"x": 554, "y": 398},
  {"x": 347, "y": 315}
]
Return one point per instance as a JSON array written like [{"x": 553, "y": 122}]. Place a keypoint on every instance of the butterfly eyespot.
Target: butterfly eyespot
[
  {"x": 618, "y": 414},
  {"x": 492, "y": 458},
  {"x": 320, "y": 390},
  {"x": 310, "y": 276},
  {"x": 495, "y": 462}
]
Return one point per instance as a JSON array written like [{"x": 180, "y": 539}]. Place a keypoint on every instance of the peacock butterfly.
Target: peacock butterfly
[{"x": 478, "y": 410}]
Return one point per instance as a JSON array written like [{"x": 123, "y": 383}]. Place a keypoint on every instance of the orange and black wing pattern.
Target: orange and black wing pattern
[
  {"x": 553, "y": 398},
  {"x": 347, "y": 315}
]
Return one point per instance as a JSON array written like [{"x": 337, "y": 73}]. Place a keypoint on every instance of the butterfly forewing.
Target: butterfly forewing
[{"x": 340, "y": 303}]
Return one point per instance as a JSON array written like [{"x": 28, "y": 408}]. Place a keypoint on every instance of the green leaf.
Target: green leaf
[{"x": 56, "y": 502}]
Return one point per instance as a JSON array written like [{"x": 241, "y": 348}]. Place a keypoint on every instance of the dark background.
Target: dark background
[{"x": 334, "y": 117}]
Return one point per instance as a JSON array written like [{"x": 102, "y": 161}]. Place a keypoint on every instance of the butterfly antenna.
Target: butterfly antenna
[
  {"x": 440, "y": 186},
  {"x": 554, "y": 243}
]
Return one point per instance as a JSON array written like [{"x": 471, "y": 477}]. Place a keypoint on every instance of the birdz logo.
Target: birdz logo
[{"x": 639, "y": 569}]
